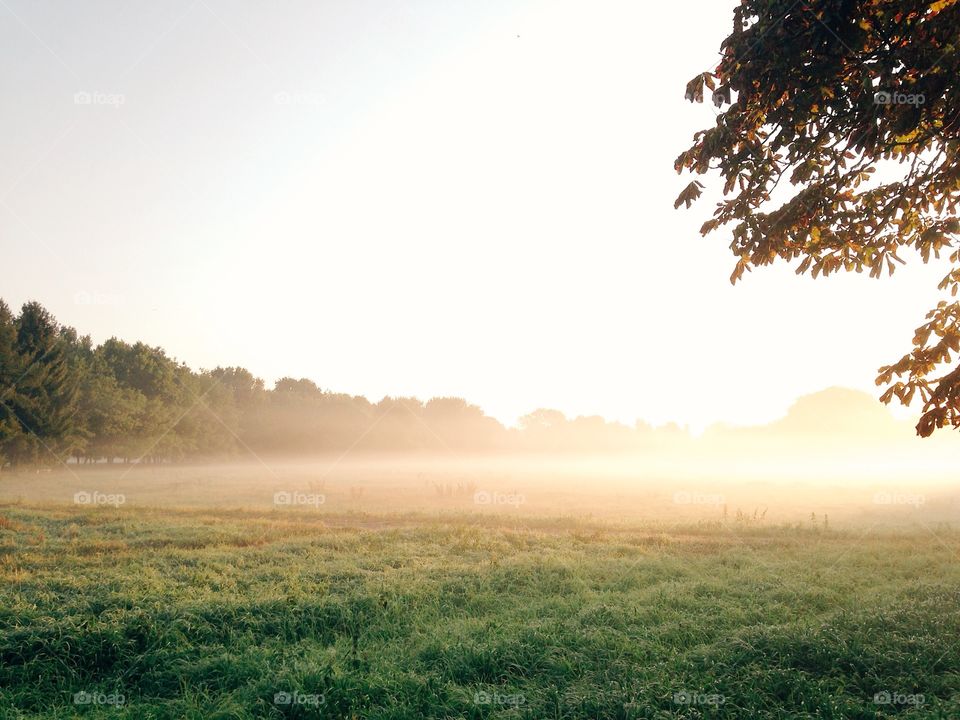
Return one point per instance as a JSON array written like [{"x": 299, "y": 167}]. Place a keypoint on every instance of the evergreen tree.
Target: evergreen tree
[
  {"x": 45, "y": 398},
  {"x": 10, "y": 369}
]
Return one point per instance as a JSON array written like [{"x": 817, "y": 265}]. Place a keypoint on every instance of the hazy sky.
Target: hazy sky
[{"x": 409, "y": 198}]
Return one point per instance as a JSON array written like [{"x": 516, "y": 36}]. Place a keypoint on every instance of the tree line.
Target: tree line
[{"x": 63, "y": 399}]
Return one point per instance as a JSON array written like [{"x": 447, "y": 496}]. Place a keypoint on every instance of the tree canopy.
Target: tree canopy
[{"x": 856, "y": 103}]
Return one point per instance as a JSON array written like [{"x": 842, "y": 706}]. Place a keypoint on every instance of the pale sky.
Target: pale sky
[{"x": 411, "y": 198}]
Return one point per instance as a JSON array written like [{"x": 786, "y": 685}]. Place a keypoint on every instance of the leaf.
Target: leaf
[
  {"x": 694, "y": 91},
  {"x": 940, "y": 5},
  {"x": 690, "y": 193}
]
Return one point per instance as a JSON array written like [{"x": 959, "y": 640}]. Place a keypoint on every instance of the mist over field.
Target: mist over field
[{"x": 180, "y": 543}]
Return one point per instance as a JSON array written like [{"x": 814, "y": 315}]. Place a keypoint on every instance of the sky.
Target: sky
[{"x": 411, "y": 198}]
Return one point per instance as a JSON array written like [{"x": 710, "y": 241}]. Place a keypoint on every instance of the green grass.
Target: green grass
[{"x": 209, "y": 614}]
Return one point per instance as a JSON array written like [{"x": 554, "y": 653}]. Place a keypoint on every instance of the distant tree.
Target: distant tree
[
  {"x": 595, "y": 433},
  {"x": 112, "y": 413},
  {"x": 143, "y": 368},
  {"x": 44, "y": 401},
  {"x": 856, "y": 105},
  {"x": 302, "y": 387},
  {"x": 398, "y": 424},
  {"x": 10, "y": 369},
  {"x": 79, "y": 356},
  {"x": 237, "y": 403},
  {"x": 246, "y": 389},
  {"x": 209, "y": 421},
  {"x": 457, "y": 424},
  {"x": 542, "y": 419},
  {"x": 182, "y": 413},
  {"x": 544, "y": 429}
]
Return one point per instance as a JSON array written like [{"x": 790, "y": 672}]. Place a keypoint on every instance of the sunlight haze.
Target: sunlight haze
[
  {"x": 365, "y": 359},
  {"x": 470, "y": 199}
]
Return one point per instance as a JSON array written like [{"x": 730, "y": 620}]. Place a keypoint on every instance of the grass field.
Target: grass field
[{"x": 165, "y": 612}]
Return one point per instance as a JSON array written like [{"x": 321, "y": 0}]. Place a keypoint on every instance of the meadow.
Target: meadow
[{"x": 194, "y": 609}]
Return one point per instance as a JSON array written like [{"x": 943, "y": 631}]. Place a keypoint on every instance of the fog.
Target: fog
[
  {"x": 661, "y": 487},
  {"x": 836, "y": 456}
]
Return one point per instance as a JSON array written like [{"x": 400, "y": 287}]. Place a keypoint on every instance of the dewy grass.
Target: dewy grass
[{"x": 153, "y": 613}]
